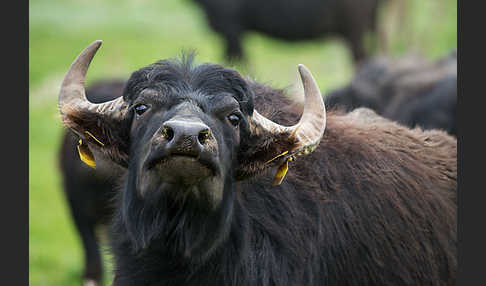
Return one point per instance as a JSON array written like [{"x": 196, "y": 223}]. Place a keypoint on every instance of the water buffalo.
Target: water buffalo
[
  {"x": 292, "y": 20},
  {"x": 217, "y": 193},
  {"x": 409, "y": 90}
]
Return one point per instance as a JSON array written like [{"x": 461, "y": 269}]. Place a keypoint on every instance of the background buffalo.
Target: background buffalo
[
  {"x": 293, "y": 20},
  {"x": 410, "y": 90},
  {"x": 90, "y": 192}
]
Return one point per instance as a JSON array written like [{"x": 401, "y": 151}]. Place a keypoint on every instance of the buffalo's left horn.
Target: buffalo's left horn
[
  {"x": 72, "y": 92},
  {"x": 310, "y": 128}
]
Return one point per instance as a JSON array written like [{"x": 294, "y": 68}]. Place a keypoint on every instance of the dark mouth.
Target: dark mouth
[{"x": 182, "y": 163}]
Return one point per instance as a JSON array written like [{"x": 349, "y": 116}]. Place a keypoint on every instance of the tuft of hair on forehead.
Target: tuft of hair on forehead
[{"x": 182, "y": 74}]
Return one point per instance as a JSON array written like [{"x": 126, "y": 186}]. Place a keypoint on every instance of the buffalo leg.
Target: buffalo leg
[
  {"x": 86, "y": 224},
  {"x": 93, "y": 269},
  {"x": 234, "y": 50},
  {"x": 357, "y": 48},
  {"x": 355, "y": 41}
]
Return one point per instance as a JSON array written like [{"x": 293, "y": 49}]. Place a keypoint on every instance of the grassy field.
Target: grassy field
[{"x": 140, "y": 32}]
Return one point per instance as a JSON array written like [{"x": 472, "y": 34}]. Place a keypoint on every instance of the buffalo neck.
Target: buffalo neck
[{"x": 179, "y": 230}]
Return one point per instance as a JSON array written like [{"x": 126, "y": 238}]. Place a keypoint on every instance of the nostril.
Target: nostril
[
  {"x": 204, "y": 135},
  {"x": 167, "y": 132}
]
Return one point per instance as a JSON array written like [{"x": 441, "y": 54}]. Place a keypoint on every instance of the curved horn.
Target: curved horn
[
  {"x": 310, "y": 128},
  {"x": 72, "y": 93}
]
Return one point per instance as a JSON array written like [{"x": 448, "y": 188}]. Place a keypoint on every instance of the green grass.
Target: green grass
[{"x": 140, "y": 32}]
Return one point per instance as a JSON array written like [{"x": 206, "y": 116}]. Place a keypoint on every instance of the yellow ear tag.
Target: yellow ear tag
[
  {"x": 276, "y": 157},
  {"x": 282, "y": 170},
  {"x": 96, "y": 139},
  {"x": 86, "y": 155}
]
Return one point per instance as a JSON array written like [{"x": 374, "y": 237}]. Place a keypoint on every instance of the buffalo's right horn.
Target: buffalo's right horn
[
  {"x": 72, "y": 93},
  {"x": 309, "y": 130}
]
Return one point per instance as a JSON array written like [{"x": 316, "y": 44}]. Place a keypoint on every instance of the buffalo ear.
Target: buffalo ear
[
  {"x": 270, "y": 142},
  {"x": 100, "y": 137},
  {"x": 262, "y": 153},
  {"x": 259, "y": 146},
  {"x": 99, "y": 125}
]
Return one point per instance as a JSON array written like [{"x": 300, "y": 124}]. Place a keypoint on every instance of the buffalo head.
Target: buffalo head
[{"x": 185, "y": 133}]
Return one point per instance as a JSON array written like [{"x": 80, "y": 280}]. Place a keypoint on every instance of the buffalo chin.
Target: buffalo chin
[
  {"x": 183, "y": 170},
  {"x": 184, "y": 177}
]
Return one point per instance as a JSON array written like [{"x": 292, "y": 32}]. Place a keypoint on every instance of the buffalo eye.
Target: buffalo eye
[
  {"x": 140, "y": 109},
  {"x": 234, "y": 119}
]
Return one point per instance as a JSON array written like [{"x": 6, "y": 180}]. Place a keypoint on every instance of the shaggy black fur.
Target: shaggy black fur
[
  {"x": 374, "y": 204},
  {"x": 292, "y": 20}
]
